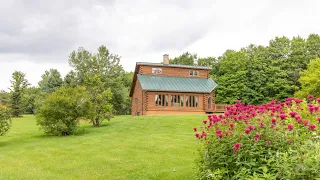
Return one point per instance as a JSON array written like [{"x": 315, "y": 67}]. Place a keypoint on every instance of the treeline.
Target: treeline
[
  {"x": 257, "y": 74},
  {"x": 23, "y": 98}
]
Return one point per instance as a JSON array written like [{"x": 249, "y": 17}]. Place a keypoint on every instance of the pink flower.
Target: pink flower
[
  {"x": 261, "y": 124},
  {"x": 290, "y": 127},
  {"x": 250, "y": 127},
  {"x": 247, "y": 131},
  {"x": 293, "y": 114},
  {"x": 204, "y": 121},
  {"x": 237, "y": 145},
  {"x": 282, "y": 116},
  {"x": 219, "y": 135},
  {"x": 318, "y": 119},
  {"x": 312, "y": 127},
  {"x": 194, "y": 129},
  {"x": 256, "y": 139},
  {"x": 274, "y": 121},
  {"x": 318, "y": 99},
  {"x": 310, "y": 96},
  {"x": 197, "y": 135},
  {"x": 218, "y": 131},
  {"x": 258, "y": 135},
  {"x": 231, "y": 125}
]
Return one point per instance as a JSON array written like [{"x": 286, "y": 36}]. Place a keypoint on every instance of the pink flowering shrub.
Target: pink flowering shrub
[{"x": 271, "y": 141}]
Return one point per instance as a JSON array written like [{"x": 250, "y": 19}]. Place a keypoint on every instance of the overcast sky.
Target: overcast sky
[{"x": 37, "y": 35}]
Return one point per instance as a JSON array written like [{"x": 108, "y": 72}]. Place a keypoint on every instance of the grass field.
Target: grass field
[{"x": 154, "y": 147}]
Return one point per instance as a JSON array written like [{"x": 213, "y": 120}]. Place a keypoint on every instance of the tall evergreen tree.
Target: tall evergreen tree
[
  {"x": 18, "y": 85},
  {"x": 51, "y": 80}
]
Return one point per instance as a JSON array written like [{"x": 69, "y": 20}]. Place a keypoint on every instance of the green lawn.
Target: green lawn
[{"x": 150, "y": 147}]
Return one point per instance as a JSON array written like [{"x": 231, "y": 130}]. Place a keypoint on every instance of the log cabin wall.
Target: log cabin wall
[
  {"x": 136, "y": 101},
  {"x": 173, "y": 71}
]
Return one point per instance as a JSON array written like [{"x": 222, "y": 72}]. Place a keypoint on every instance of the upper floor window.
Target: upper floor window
[
  {"x": 193, "y": 73},
  {"x": 156, "y": 70}
]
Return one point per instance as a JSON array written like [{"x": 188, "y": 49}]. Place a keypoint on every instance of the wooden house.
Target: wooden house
[{"x": 163, "y": 88}]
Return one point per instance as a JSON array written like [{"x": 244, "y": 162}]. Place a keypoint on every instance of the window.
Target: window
[
  {"x": 161, "y": 100},
  {"x": 192, "y": 101},
  {"x": 193, "y": 73},
  {"x": 156, "y": 70},
  {"x": 177, "y": 100}
]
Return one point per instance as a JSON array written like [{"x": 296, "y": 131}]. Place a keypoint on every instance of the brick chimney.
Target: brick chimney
[{"x": 166, "y": 59}]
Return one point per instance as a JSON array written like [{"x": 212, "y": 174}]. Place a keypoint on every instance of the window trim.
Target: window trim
[
  {"x": 155, "y": 70},
  {"x": 193, "y": 101},
  {"x": 193, "y": 73},
  {"x": 163, "y": 101}
]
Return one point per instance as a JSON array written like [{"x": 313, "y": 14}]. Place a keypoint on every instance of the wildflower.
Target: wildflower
[
  {"x": 197, "y": 135},
  {"x": 219, "y": 135},
  {"x": 274, "y": 121},
  {"x": 194, "y": 129},
  {"x": 318, "y": 99},
  {"x": 218, "y": 131},
  {"x": 312, "y": 127},
  {"x": 231, "y": 125},
  {"x": 282, "y": 116},
  {"x": 261, "y": 125},
  {"x": 236, "y": 147},
  {"x": 256, "y": 139},
  {"x": 306, "y": 123},
  {"x": 310, "y": 96},
  {"x": 204, "y": 121},
  {"x": 258, "y": 135},
  {"x": 250, "y": 127},
  {"x": 247, "y": 131},
  {"x": 203, "y": 134},
  {"x": 293, "y": 114},
  {"x": 318, "y": 119},
  {"x": 290, "y": 127}
]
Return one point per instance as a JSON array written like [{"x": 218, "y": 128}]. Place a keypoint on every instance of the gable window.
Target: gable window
[
  {"x": 193, "y": 73},
  {"x": 156, "y": 70},
  {"x": 161, "y": 100},
  {"x": 192, "y": 101}
]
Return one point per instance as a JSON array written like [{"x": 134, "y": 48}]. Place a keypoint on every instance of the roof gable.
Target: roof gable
[
  {"x": 173, "y": 65},
  {"x": 176, "y": 84}
]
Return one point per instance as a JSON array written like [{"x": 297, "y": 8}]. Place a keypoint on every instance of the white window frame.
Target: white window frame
[{"x": 156, "y": 70}]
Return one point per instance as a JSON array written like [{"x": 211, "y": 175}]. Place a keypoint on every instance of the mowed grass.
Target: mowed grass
[{"x": 149, "y": 147}]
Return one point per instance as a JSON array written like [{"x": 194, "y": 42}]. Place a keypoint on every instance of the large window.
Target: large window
[
  {"x": 193, "y": 73},
  {"x": 192, "y": 101},
  {"x": 156, "y": 70},
  {"x": 161, "y": 100},
  {"x": 177, "y": 100}
]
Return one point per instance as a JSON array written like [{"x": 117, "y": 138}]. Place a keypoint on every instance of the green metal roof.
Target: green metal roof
[
  {"x": 178, "y": 84},
  {"x": 173, "y": 65}
]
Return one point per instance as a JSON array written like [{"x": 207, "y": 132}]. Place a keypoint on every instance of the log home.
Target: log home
[{"x": 163, "y": 88}]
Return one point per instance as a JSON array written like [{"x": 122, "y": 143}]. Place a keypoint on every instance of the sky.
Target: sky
[{"x": 37, "y": 35}]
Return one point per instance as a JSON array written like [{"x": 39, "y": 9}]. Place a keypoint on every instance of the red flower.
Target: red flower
[
  {"x": 310, "y": 96},
  {"x": 256, "y": 139},
  {"x": 318, "y": 119},
  {"x": 195, "y": 129},
  {"x": 247, "y": 131},
  {"x": 293, "y": 113},
  {"x": 290, "y": 127},
  {"x": 197, "y": 135},
  {"x": 231, "y": 125},
  {"x": 318, "y": 100},
  {"x": 312, "y": 127},
  {"x": 258, "y": 135},
  {"x": 274, "y": 121},
  {"x": 204, "y": 121},
  {"x": 282, "y": 116},
  {"x": 237, "y": 145},
  {"x": 261, "y": 124},
  {"x": 219, "y": 135},
  {"x": 250, "y": 127},
  {"x": 218, "y": 131}
]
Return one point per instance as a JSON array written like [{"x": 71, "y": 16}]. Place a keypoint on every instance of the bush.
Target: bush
[
  {"x": 5, "y": 120},
  {"x": 59, "y": 113},
  {"x": 272, "y": 141}
]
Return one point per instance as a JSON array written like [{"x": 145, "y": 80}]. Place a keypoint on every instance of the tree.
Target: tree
[
  {"x": 4, "y": 98},
  {"x": 108, "y": 66},
  {"x": 186, "y": 58},
  {"x": 29, "y": 98},
  {"x": 18, "y": 86},
  {"x": 5, "y": 120},
  {"x": 60, "y": 112},
  {"x": 51, "y": 80},
  {"x": 100, "y": 97},
  {"x": 70, "y": 80},
  {"x": 310, "y": 80},
  {"x": 210, "y": 62}
]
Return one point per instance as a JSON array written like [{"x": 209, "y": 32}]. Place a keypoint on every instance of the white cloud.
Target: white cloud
[{"x": 38, "y": 35}]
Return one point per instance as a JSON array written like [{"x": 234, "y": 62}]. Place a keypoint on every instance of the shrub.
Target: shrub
[
  {"x": 5, "y": 120},
  {"x": 272, "y": 141},
  {"x": 59, "y": 113}
]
